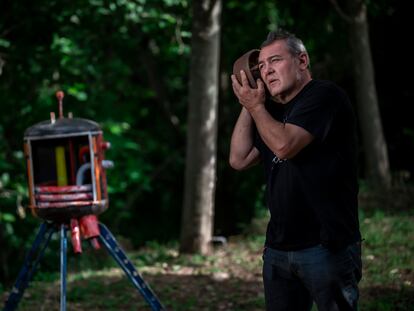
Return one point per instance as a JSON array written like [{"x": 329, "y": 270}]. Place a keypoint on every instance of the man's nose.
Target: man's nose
[{"x": 267, "y": 69}]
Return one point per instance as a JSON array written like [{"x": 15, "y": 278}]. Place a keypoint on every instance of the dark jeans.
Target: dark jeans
[{"x": 294, "y": 279}]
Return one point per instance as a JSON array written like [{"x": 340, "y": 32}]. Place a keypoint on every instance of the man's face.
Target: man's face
[{"x": 280, "y": 70}]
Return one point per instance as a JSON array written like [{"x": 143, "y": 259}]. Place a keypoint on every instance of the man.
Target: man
[{"x": 304, "y": 133}]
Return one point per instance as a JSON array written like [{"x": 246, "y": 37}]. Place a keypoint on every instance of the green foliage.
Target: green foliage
[
  {"x": 124, "y": 64},
  {"x": 93, "y": 52}
]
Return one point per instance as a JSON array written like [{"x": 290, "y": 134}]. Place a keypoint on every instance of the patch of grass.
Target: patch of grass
[
  {"x": 388, "y": 259},
  {"x": 230, "y": 277}
]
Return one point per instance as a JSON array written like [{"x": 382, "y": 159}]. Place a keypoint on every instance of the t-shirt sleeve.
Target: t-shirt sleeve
[{"x": 315, "y": 112}]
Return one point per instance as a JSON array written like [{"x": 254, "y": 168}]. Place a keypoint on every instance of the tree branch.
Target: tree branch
[
  {"x": 341, "y": 12},
  {"x": 155, "y": 81}
]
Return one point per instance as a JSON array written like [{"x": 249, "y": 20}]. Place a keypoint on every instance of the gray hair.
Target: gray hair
[{"x": 295, "y": 45}]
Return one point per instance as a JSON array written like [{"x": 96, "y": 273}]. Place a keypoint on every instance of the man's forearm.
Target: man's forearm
[
  {"x": 285, "y": 140},
  {"x": 242, "y": 150},
  {"x": 271, "y": 131}
]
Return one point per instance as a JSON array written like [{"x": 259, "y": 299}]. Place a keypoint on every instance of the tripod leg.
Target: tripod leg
[
  {"x": 63, "y": 253},
  {"x": 118, "y": 254},
  {"x": 26, "y": 273}
]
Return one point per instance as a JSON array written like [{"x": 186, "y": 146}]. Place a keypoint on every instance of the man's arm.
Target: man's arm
[
  {"x": 285, "y": 140},
  {"x": 243, "y": 153}
]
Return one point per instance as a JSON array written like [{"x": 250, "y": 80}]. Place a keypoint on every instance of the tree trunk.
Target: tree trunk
[
  {"x": 375, "y": 146},
  {"x": 200, "y": 172}
]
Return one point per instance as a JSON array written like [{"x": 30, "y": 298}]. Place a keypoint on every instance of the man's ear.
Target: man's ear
[{"x": 303, "y": 60}]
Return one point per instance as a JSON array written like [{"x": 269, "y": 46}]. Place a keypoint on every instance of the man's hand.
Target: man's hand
[{"x": 251, "y": 99}]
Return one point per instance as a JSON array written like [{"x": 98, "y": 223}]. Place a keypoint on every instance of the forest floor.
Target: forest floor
[{"x": 229, "y": 278}]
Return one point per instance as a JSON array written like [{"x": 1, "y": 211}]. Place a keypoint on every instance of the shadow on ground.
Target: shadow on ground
[
  {"x": 184, "y": 292},
  {"x": 175, "y": 292}
]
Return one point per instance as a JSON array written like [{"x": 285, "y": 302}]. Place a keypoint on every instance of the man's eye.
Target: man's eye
[
  {"x": 261, "y": 66},
  {"x": 275, "y": 59}
]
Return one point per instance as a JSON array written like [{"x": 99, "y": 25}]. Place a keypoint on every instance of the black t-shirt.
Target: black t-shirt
[{"x": 312, "y": 197}]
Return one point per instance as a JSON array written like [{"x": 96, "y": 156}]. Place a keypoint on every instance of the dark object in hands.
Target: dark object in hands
[{"x": 248, "y": 63}]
